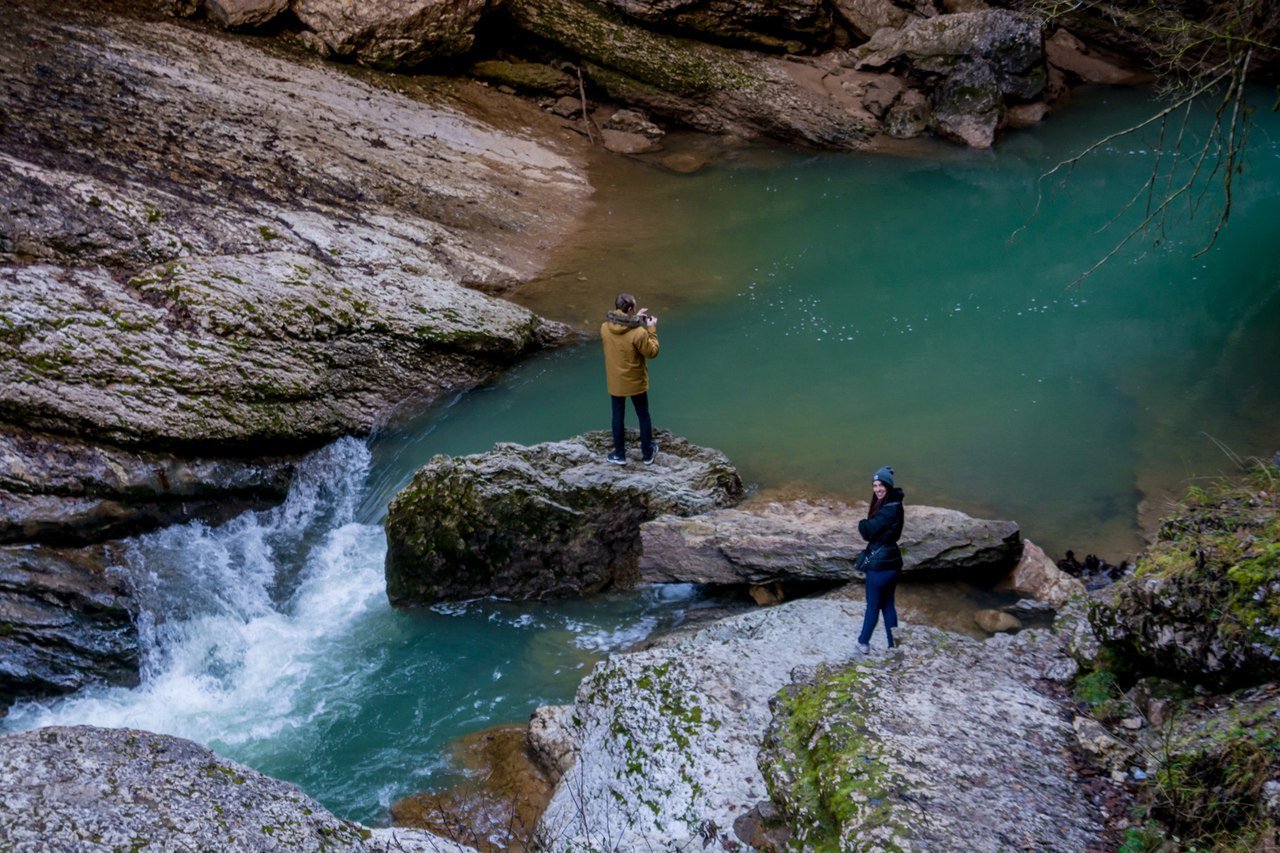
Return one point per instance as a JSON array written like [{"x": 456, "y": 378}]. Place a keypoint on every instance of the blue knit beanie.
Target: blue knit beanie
[{"x": 884, "y": 475}]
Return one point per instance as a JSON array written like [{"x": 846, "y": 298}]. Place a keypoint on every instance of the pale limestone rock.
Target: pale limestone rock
[
  {"x": 553, "y": 739},
  {"x": 86, "y": 788},
  {"x": 867, "y": 17},
  {"x": 621, "y": 142},
  {"x": 244, "y": 13},
  {"x": 1101, "y": 747},
  {"x": 1036, "y": 575},
  {"x": 394, "y": 33}
]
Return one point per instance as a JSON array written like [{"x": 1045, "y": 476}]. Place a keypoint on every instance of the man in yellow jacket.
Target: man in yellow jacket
[{"x": 630, "y": 337}]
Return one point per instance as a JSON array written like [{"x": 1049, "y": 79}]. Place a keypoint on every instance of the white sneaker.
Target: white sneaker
[{"x": 862, "y": 648}]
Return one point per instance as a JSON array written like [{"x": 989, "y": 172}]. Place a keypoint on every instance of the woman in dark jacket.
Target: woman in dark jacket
[{"x": 883, "y": 562}]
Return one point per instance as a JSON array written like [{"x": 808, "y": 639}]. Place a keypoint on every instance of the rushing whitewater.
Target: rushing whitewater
[
  {"x": 270, "y": 639},
  {"x": 232, "y": 617}
]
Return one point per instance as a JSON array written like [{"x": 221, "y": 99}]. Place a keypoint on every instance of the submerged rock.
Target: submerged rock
[
  {"x": 816, "y": 542},
  {"x": 87, "y": 788},
  {"x": 548, "y": 520},
  {"x": 65, "y": 624}
]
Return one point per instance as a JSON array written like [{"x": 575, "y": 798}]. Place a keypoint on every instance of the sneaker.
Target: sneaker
[
  {"x": 616, "y": 459},
  {"x": 653, "y": 454},
  {"x": 862, "y": 648}
]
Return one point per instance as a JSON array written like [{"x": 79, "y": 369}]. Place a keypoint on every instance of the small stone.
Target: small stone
[
  {"x": 1132, "y": 723},
  {"x": 620, "y": 142},
  {"x": 995, "y": 622},
  {"x": 683, "y": 163},
  {"x": 567, "y": 107}
]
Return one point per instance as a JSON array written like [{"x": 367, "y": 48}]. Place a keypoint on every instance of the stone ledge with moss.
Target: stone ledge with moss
[
  {"x": 761, "y": 730},
  {"x": 547, "y": 520},
  {"x": 86, "y": 788},
  {"x": 1204, "y": 601}
]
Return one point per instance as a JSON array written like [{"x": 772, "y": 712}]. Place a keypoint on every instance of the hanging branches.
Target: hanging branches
[{"x": 1198, "y": 63}]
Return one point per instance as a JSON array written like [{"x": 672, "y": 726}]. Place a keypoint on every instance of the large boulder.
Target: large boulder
[
  {"x": 548, "y": 520},
  {"x": 270, "y": 347},
  {"x": 816, "y": 542},
  {"x": 244, "y": 13},
  {"x": 701, "y": 85},
  {"x": 1039, "y": 577},
  {"x": 797, "y": 26},
  {"x": 65, "y": 624},
  {"x": 968, "y": 106},
  {"x": 684, "y": 745},
  {"x": 394, "y": 33},
  {"x": 86, "y": 788}
]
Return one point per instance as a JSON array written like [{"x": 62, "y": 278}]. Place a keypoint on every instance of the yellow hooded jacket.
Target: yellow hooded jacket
[{"x": 628, "y": 342}]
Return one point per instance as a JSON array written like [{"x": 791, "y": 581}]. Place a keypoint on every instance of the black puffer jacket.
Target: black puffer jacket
[{"x": 882, "y": 532}]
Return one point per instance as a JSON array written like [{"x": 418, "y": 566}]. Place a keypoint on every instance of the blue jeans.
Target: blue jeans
[
  {"x": 641, "y": 403},
  {"x": 880, "y": 587}
]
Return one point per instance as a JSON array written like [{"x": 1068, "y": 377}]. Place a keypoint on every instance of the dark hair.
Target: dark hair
[{"x": 625, "y": 302}]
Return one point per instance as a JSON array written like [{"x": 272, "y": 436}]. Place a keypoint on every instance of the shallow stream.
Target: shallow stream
[{"x": 821, "y": 315}]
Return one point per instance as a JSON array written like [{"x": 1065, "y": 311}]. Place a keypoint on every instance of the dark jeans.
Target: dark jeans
[
  {"x": 641, "y": 403},
  {"x": 880, "y": 587}
]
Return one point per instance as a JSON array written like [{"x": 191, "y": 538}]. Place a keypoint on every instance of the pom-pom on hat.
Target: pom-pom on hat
[{"x": 884, "y": 475}]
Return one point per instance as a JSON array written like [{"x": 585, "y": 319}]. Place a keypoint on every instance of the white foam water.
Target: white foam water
[{"x": 236, "y": 621}]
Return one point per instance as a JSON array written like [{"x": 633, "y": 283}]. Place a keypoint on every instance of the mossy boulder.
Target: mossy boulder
[
  {"x": 552, "y": 519},
  {"x": 946, "y": 744},
  {"x": 1204, "y": 601},
  {"x": 525, "y": 76},
  {"x": 705, "y": 86}
]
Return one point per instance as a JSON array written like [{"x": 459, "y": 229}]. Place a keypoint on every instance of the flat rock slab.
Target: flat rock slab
[
  {"x": 548, "y": 520},
  {"x": 816, "y": 542},
  {"x": 86, "y": 788}
]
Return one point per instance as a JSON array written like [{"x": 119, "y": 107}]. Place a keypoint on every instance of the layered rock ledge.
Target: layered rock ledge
[
  {"x": 214, "y": 251},
  {"x": 86, "y": 788},
  {"x": 808, "y": 542},
  {"x": 546, "y": 520}
]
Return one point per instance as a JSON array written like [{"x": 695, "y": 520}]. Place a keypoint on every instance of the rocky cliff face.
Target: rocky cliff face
[{"x": 210, "y": 251}]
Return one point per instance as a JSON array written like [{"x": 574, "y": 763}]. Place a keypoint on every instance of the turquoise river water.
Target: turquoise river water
[{"x": 820, "y": 316}]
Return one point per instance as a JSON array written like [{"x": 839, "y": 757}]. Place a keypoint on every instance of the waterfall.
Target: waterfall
[{"x": 236, "y": 620}]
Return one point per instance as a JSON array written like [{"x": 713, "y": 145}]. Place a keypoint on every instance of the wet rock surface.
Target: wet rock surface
[
  {"x": 65, "y": 624},
  {"x": 547, "y": 520},
  {"x": 63, "y": 490},
  {"x": 816, "y": 542},
  {"x": 84, "y": 788}
]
